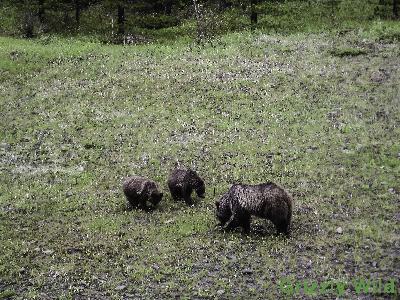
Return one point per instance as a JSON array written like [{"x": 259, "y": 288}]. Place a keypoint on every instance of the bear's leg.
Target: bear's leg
[
  {"x": 175, "y": 196},
  {"x": 188, "y": 201},
  {"x": 129, "y": 206},
  {"x": 186, "y": 196},
  {"x": 132, "y": 202},
  {"x": 245, "y": 223},
  {"x": 174, "y": 193},
  {"x": 142, "y": 202},
  {"x": 239, "y": 217},
  {"x": 282, "y": 227},
  {"x": 242, "y": 219},
  {"x": 231, "y": 224}
]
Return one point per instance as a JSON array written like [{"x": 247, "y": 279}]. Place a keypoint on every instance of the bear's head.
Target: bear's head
[
  {"x": 223, "y": 212},
  {"x": 197, "y": 183},
  {"x": 200, "y": 188},
  {"x": 155, "y": 197}
]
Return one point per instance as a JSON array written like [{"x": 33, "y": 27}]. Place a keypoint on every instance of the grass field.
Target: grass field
[{"x": 318, "y": 114}]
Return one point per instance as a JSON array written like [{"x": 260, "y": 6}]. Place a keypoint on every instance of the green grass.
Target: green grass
[
  {"x": 77, "y": 117},
  {"x": 6, "y": 294},
  {"x": 347, "y": 51}
]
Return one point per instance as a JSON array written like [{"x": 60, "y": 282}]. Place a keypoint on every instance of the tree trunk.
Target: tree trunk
[
  {"x": 253, "y": 14},
  {"x": 78, "y": 8},
  {"x": 168, "y": 7},
  {"x": 396, "y": 8},
  {"x": 222, "y": 5},
  {"x": 41, "y": 11},
  {"x": 28, "y": 24},
  {"x": 121, "y": 20},
  {"x": 199, "y": 29}
]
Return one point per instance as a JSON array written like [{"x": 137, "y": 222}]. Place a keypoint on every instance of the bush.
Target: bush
[
  {"x": 347, "y": 51},
  {"x": 154, "y": 21},
  {"x": 357, "y": 9},
  {"x": 8, "y": 20},
  {"x": 385, "y": 31},
  {"x": 28, "y": 24}
]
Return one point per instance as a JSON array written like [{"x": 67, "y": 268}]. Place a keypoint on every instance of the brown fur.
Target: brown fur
[
  {"x": 138, "y": 190},
  {"x": 182, "y": 182},
  {"x": 266, "y": 200}
]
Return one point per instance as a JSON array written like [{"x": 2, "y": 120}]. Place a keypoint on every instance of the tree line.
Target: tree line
[{"x": 49, "y": 14}]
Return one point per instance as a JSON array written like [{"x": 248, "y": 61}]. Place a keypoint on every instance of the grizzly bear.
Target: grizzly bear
[
  {"x": 182, "y": 182},
  {"x": 138, "y": 190},
  {"x": 266, "y": 200}
]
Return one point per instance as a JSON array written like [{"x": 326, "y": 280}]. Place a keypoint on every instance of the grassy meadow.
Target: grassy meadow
[{"x": 317, "y": 113}]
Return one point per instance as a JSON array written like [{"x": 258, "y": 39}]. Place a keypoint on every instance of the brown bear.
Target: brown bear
[
  {"x": 266, "y": 200},
  {"x": 182, "y": 182},
  {"x": 138, "y": 190}
]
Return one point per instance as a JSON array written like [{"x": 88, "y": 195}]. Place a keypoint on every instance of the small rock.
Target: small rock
[
  {"x": 48, "y": 252},
  {"x": 5, "y": 146},
  {"x": 382, "y": 114},
  {"x": 169, "y": 221},
  {"x": 120, "y": 287},
  {"x": 309, "y": 264},
  {"x": 72, "y": 250},
  {"x": 347, "y": 151},
  {"x": 220, "y": 292},
  {"x": 231, "y": 258},
  {"x": 247, "y": 271},
  {"x": 379, "y": 76},
  {"x": 374, "y": 264},
  {"x": 397, "y": 217},
  {"x": 68, "y": 194},
  {"x": 359, "y": 147},
  {"x": 89, "y": 146},
  {"x": 311, "y": 149},
  {"x": 339, "y": 230}
]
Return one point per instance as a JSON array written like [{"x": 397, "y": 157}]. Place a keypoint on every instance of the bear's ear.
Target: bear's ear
[{"x": 217, "y": 204}]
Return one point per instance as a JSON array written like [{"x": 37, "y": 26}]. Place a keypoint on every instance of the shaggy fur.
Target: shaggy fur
[
  {"x": 138, "y": 190},
  {"x": 182, "y": 182},
  {"x": 266, "y": 200}
]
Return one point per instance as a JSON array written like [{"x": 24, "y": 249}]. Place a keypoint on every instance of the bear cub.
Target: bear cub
[
  {"x": 138, "y": 190},
  {"x": 266, "y": 200},
  {"x": 182, "y": 182}
]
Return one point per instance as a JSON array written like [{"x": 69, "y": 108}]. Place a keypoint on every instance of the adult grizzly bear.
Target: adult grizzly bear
[
  {"x": 138, "y": 190},
  {"x": 182, "y": 182},
  {"x": 266, "y": 200}
]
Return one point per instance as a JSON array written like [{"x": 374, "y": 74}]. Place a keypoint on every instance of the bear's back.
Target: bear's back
[
  {"x": 135, "y": 184},
  {"x": 256, "y": 198},
  {"x": 177, "y": 176}
]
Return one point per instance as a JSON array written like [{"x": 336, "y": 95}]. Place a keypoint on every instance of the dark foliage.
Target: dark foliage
[{"x": 116, "y": 19}]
